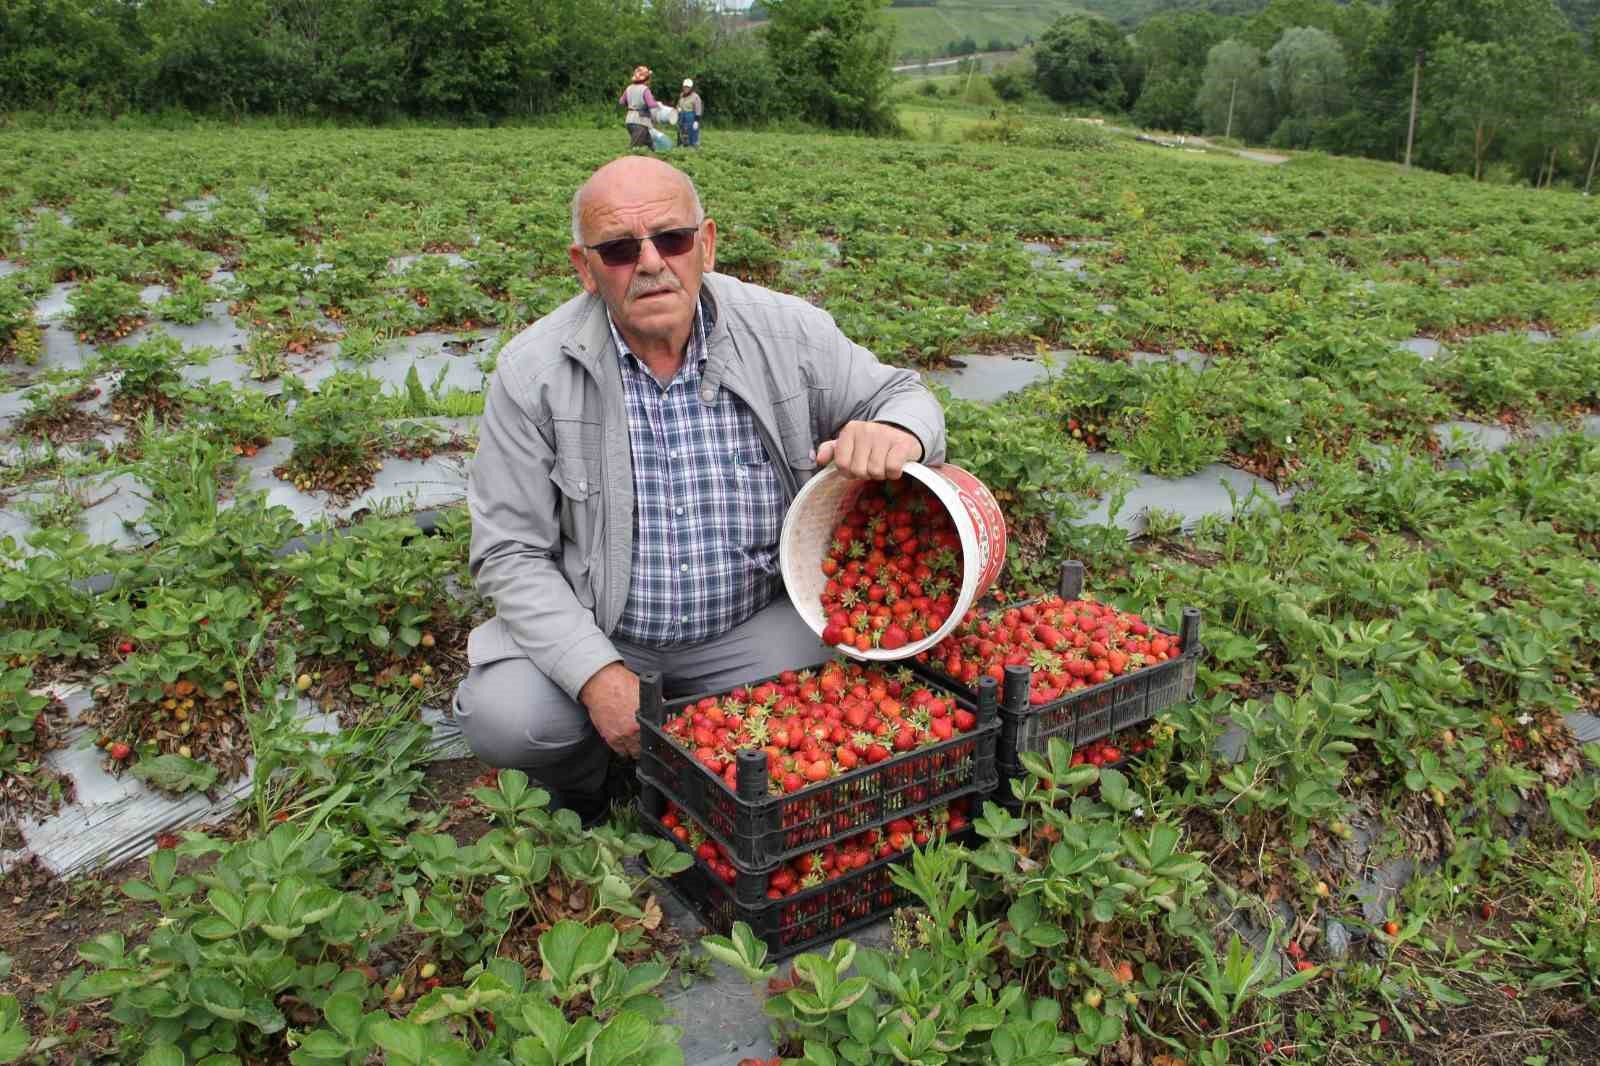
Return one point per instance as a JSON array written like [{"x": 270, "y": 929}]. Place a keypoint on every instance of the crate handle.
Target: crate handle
[
  {"x": 751, "y": 773},
  {"x": 1189, "y": 633},
  {"x": 1070, "y": 583},
  {"x": 988, "y": 699},
  {"x": 650, "y": 706},
  {"x": 1018, "y": 680}
]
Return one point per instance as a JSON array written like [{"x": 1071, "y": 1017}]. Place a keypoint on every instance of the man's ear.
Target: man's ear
[
  {"x": 708, "y": 245},
  {"x": 580, "y": 263}
]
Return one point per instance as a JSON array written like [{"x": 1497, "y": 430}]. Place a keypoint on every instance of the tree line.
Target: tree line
[
  {"x": 823, "y": 61},
  {"x": 1507, "y": 87}
]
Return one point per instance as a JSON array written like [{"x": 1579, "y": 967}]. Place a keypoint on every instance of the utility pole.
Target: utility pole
[
  {"x": 1235, "y": 92},
  {"x": 1411, "y": 125}
]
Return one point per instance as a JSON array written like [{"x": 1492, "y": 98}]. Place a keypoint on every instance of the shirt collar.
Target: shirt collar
[{"x": 697, "y": 341}]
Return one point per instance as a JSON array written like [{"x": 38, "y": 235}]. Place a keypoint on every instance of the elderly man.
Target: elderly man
[{"x": 638, "y": 449}]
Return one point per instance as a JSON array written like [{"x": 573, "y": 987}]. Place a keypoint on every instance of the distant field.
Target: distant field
[{"x": 930, "y": 29}]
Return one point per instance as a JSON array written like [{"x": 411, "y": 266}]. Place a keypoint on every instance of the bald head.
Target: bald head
[
  {"x": 630, "y": 173},
  {"x": 650, "y": 288}
]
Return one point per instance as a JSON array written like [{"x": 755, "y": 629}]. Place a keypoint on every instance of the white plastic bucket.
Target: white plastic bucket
[{"x": 808, "y": 529}]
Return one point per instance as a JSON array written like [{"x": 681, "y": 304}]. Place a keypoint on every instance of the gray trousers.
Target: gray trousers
[{"x": 515, "y": 717}]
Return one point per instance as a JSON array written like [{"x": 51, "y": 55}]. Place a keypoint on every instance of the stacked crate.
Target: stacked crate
[
  {"x": 1088, "y": 714},
  {"x": 759, "y": 832}
]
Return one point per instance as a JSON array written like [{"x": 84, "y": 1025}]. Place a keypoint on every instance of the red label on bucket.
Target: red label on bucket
[{"x": 987, "y": 522}]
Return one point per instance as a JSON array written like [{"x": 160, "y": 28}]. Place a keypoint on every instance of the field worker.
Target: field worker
[
  {"x": 690, "y": 110},
  {"x": 638, "y": 449},
  {"x": 637, "y": 99}
]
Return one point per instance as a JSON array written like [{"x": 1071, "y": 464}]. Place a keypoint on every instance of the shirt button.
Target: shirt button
[
  {"x": 672, "y": 455},
  {"x": 583, "y": 486},
  {"x": 684, "y": 619},
  {"x": 680, "y": 510},
  {"x": 683, "y": 568},
  {"x": 708, "y": 395}
]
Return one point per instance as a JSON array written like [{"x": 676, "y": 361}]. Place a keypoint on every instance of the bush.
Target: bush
[
  {"x": 1063, "y": 134},
  {"x": 1012, "y": 81}
]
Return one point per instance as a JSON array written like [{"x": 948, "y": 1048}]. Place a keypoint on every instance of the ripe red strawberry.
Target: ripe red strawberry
[{"x": 119, "y": 751}]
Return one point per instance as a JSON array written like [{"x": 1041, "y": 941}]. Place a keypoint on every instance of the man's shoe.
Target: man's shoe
[{"x": 620, "y": 786}]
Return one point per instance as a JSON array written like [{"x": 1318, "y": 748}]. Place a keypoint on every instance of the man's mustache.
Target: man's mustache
[{"x": 662, "y": 282}]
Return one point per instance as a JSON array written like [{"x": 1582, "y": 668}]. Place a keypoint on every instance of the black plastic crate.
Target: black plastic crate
[
  {"x": 1012, "y": 769},
  {"x": 1087, "y": 714},
  {"x": 759, "y": 830},
  {"x": 810, "y": 918}
]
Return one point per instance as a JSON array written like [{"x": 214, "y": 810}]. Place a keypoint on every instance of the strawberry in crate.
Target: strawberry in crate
[
  {"x": 1068, "y": 645},
  {"x": 893, "y": 568},
  {"x": 815, "y": 727}
]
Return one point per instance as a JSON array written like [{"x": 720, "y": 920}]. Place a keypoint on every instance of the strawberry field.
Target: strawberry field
[{"x": 1350, "y": 415}]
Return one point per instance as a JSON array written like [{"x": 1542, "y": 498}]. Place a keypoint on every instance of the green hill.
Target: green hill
[{"x": 930, "y": 30}]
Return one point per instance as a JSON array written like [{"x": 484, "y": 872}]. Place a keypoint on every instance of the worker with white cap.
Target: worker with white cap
[{"x": 690, "y": 110}]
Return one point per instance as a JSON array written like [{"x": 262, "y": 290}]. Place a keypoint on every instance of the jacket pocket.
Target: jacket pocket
[{"x": 793, "y": 418}]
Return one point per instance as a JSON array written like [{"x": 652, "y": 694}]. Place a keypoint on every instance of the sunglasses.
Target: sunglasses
[{"x": 624, "y": 251}]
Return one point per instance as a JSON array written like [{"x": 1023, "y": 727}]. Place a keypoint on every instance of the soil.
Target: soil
[{"x": 66, "y": 427}]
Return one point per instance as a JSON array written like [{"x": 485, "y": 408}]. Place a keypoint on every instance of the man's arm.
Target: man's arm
[
  {"x": 516, "y": 546},
  {"x": 861, "y": 389}
]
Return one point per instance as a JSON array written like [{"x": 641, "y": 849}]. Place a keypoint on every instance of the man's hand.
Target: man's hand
[
  {"x": 611, "y": 697},
  {"x": 874, "y": 450}
]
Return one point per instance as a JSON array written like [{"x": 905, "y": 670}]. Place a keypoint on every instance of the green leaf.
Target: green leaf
[
  {"x": 343, "y": 1011},
  {"x": 403, "y": 1040},
  {"x": 325, "y": 1044},
  {"x": 175, "y": 773},
  {"x": 820, "y": 1054},
  {"x": 163, "y": 1055},
  {"x": 1114, "y": 790},
  {"x": 228, "y": 905},
  {"x": 220, "y": 997},
  {"x": 379, "y": 636},
  {"x": 163, "y": 864},
  {"x": 571, "y": 951},
  {"x": 620, "y": 1039}
]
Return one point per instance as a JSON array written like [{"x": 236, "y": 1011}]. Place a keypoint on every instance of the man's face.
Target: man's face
[{"x": 653, "y": 299}]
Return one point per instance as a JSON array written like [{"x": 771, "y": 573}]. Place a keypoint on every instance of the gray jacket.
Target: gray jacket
[{"x": 551, "y": 488}]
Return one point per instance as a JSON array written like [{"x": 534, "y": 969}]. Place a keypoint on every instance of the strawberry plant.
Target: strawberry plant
[
  {"x": 337, "y": 436},
  {"x": 374, "y": 592},
  {"x": 186, "y": 305},
  {"x": 1168, "y": 435},
  {"x": 261, "y": 924},
  {"x": 243, "y": 419},
  {"x": 893, "y": 568},
  {"x": 104, "y": 308},
  {"x": 442, "y": 296},
  {"x": 181, "y": 686},
  {"x": 41, "y": 589},
  {"x": 149, "y": 378},
  {"x": 29, "y": 728},
  {"x": 19, "y": 338}
]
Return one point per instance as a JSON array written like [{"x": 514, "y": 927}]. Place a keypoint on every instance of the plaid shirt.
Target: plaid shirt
[{"x": 708, "y": 506}]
